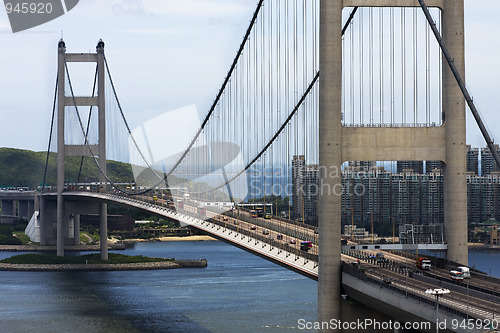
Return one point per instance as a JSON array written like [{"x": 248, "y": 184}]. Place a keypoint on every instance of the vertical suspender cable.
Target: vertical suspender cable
[
  {"x": 370, "y": 64},
  {"x": 381, "y": 73},
  {"x": 391, "y": 55},
  {"x": 88, "y": 124},
  {"x": 403, "y": 61},
  {"x": 461, "y": 84},
  {"x": 415, "y": 67},
  {"x": 50, "y": 136}
]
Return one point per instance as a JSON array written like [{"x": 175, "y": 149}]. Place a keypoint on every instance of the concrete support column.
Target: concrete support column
[
  {"x": 103, "y": 208},
  {"x": 455, "y": 170},
  {"x": 330, "y": 160},
  {"x": 43, "y": 220},
  {"x": 103, "y": 221},
  {"x": 60, "y": 146},
  {"x": 76, "y": 230},
  {"x": 8, "y": 207},
  {"x": 31, "y": 208},
  {"x": 23, "y": 208}
]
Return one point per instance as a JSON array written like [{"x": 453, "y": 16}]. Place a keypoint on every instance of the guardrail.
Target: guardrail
[
  {"x": 349, "y": 269},
  {"x": 148, "y": 201}
]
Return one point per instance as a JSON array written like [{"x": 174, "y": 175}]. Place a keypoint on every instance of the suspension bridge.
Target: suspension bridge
[{"x": 322, "y": 82}]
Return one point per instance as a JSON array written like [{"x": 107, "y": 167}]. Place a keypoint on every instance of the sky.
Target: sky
[{"x": 168, "y": 54}]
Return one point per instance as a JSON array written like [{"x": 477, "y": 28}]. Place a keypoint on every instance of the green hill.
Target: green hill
[{"x": 26, "y": 168}]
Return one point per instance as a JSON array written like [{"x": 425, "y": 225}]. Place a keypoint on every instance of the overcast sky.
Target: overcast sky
[{"x": 167, "y": 54}]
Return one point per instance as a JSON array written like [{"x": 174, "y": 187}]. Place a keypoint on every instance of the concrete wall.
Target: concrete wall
[
  {"x": 72, "y": 209},
  {"x": 394, "y": 305}
]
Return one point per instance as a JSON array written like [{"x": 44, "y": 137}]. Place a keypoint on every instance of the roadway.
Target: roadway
[{"x": 476, "y": 305}]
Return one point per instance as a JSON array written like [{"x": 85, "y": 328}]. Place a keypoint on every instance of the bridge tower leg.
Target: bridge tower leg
[
  {"x": 338, "y": 143},
  {"x": 330, "y": 159},
  {"x": 85, "y": 149},
  {"x": 61, "y": 147},
  {"x": 103, "y": 207},
  {"x": 455, "y": 183}
]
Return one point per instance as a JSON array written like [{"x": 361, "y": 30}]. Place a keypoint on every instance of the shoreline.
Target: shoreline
[
  {"x": 170, "y": 239},
  {"x": 488, "y": 247},
  {"x": 113, "y": 244},
  {"x": 104, "y": 267}
]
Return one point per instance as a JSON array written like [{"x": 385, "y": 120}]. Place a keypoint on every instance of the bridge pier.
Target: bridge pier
[
  {"x": 76, "y": 229},
  {"x": 8, "y": 207},
  {"x": 330, "y": 160},
  {"x": 455, "y": 172},
  {"x": 63, "y": 149},
  {"x": 103, "y": 222},
  {"x": 338, "y": 144}
]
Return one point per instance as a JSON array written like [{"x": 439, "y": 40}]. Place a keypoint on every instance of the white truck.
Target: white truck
[{"x": 465, "y": 271}]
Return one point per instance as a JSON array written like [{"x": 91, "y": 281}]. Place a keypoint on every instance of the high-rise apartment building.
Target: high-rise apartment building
[
  {"x": 430, "y": 166},
  {"x": 488, "y": 164},
  {"x": 473, "y": 160},
  {"x": 416, "y": 166},
  {"x": 373, "y": 193},
  {"x": 305, "y": 180}
]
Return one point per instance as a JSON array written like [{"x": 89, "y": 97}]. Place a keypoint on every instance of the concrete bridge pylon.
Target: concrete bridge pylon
[
  {"x": 69, "y": 212},
  {"x": 338, "y": 144}
]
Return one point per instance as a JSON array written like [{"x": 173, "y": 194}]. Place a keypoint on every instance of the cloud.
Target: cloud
[
  {"x": 5, "y": 26},
  {"x": 152, "y": 32},
  {"x": 188, "y": 8}
]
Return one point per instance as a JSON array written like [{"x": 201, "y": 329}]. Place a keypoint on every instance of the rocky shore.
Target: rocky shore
[
  {"x": 45, "y": 248},
  {"x": 105, "y": 267}
]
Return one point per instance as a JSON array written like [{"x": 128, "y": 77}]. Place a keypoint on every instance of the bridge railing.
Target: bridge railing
[
  {"x": 290, "y": 229},
  {"x": 361, "y": 275},
  {"x": 462, "y": 284},
  {"x": 265, "y": 239}
]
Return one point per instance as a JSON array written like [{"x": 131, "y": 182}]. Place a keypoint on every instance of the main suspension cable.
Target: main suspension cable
[{"x": 50, "y": 135}]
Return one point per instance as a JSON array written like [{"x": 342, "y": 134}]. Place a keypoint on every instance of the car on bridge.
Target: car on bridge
[
  {"x": 465, "y": 271},
  {"x": 265, "y": 232},
  {"x": 456, "y": 275},
  {"x": 305, "y": 245},
  {"x": 253, "y": 227}
]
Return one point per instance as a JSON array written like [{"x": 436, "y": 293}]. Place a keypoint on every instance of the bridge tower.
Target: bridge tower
[
  {"x": 338, "y": 143},
  {"x": 64, "y": 149}
]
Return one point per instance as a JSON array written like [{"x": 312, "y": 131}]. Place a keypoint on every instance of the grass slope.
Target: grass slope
[{"x": 94, "y": 258}]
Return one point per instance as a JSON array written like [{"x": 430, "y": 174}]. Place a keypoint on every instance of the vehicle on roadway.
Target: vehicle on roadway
[
  {"x": 305, "y": 245},
  {"x": 180, "y": 204},
  {"x": 456, "y": 275},
  {"x": 279, "y": 236},
  {"x": 202, "y": 210},
  {"x": 292, "y": 241},
  {"x": 267, "y": 216},
  {"x": 253, "y": 227},
  {"x": 265, "y": 232},
  {"x": 465, "y": 271},
  {"x": 253, "y": 213},
  {"x": 424, "y": 263},
  {"x": 380, "y": 257}
]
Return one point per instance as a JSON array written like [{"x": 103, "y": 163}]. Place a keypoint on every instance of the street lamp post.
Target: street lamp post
[{"x": 437, "y": 292}]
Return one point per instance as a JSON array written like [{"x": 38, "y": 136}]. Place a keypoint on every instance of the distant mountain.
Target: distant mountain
[{"x": 27, "y": 168}]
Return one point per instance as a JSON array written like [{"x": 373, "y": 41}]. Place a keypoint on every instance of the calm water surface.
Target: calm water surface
[{"x": 237, "y": 292}]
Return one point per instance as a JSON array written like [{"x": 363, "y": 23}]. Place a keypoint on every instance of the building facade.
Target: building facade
[{"x": 372, "y": 193}]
